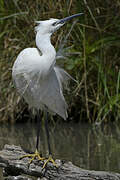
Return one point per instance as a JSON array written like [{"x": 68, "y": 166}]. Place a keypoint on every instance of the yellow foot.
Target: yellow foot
[
  {"x": 50, "y": 159},
  {"x": 33, "y": 156}
]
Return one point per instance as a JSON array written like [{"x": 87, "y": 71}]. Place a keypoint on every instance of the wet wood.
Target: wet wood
[{"x": 16, "y": 169}]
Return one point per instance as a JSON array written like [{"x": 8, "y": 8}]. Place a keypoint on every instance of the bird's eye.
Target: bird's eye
[{"x": 54, "y": 23}]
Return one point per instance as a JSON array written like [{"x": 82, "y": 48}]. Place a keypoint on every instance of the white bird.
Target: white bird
[{"x": 38, "y": 79}]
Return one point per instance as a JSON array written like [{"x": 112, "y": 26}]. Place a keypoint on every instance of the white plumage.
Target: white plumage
[{"x": 35, "y": 75}]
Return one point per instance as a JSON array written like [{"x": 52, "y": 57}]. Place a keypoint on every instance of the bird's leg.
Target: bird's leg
[
  {"x": 49, "y": 159},
  {"x": 36, "y": 154},
  {"x": 38, "y": 129}
]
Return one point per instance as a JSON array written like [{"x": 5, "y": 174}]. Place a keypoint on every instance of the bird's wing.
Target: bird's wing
[
  {"x": 41, "y": 92},
  {"x": 24, "y": 85},
  {"x": 50, "y": 94}
]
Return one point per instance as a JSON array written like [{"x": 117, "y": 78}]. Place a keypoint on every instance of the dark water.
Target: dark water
[{"x": 86, "y": 146}]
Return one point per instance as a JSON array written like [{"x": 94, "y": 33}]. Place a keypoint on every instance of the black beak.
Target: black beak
[{"x": 62, "y": 21}]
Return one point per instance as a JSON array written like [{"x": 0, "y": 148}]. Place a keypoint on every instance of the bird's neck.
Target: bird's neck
[{"x": 43, "y": 43}]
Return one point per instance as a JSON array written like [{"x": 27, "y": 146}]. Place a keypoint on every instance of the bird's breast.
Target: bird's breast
[{"x": 31, "y": 61}]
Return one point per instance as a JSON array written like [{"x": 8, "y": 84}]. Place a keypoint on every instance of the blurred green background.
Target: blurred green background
[{"x": 93, "y": 58}]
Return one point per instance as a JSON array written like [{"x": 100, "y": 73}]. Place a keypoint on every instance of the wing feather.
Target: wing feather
[{"x": 41, "y": 92}]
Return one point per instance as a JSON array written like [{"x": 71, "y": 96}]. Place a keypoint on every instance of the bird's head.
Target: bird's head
[{"x": 51, "y": 25}]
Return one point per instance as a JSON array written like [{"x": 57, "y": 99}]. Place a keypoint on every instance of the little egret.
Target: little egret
[{"x": 39, "y": 80}]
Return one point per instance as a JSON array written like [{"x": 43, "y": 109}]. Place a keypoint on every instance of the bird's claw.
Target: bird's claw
[
  {"x": 37, "y": 155},
  {"x": 50, "y": 159},
  {"x": 33, "y": 156}
]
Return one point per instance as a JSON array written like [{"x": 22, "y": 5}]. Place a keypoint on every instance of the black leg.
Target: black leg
[
  {"x": 50, "y": 159},
  {"x": 38, "y": 128},
  {"x": 47, "y": 132},
  {"x": 36, "y": 153}
]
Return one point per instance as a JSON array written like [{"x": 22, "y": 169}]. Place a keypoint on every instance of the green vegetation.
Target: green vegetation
[{"x": 93, "y": 62}]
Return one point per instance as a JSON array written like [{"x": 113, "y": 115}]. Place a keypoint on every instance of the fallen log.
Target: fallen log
[{"x": 16, "y": 169}]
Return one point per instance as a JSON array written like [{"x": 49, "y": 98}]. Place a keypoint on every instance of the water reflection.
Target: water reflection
[{"x": 84, "y": 145}]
